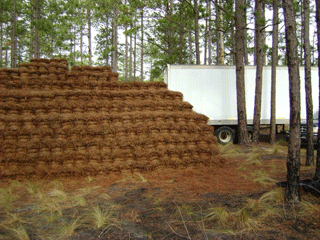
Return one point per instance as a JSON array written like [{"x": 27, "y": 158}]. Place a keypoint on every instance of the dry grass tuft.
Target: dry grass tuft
[
  {"x": 309, "y": 209},
  {"x": 51, "y": 213},
  {"x": 252, "y": 215},
  {"x": 20, "y": 233},
  {"x": 263, "y": 178},
  {"x": 229, "y": 150}
]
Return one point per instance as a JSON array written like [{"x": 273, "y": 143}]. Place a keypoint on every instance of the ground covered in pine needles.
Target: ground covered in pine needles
[{"x": 238, "y": 199}]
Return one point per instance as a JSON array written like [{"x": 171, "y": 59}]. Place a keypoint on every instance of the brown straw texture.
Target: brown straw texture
[{"x": 56, "y": 121}]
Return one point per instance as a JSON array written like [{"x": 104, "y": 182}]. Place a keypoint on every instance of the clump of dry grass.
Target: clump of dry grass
[
  {"x": 51, "y": 213},
  {"x": 278, "y": 148},
  {"x": 19, "y": 233},
  {"x": 67, "y": 229},
  {"x": 229, "y": 150},
  {"x": 250, "y": 216},
  {"x": 263, "y": 178},
  {"x": 99, "y": 217},
  {"x": 309, "y": 207}
]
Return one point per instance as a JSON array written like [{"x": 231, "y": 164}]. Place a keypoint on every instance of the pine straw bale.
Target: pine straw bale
[
  {"x": 24, "y": 68},
  {"x": 41, "y": 64},
  {"x": 39, "y": 61},
  {"x": 8, "y": 71},
  {"x": 98, "y": 125},
  {"x": 59, "y": 63},
  {"x": 7, "y": 75}
]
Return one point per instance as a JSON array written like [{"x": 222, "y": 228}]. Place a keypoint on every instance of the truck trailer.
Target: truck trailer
[{"x": 212, "y": 92}]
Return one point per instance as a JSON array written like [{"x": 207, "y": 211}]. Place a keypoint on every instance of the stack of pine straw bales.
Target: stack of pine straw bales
[{"x": 59, "y": 122}]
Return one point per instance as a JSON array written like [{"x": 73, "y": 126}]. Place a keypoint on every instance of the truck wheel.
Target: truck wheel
[{"x": 225, "y": 135}]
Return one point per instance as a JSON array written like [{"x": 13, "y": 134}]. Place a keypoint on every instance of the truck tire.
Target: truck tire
[{"x": 225, "y": 135}]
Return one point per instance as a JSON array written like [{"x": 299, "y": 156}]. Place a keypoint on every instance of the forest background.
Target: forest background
[{"x": 139, "y": 38}]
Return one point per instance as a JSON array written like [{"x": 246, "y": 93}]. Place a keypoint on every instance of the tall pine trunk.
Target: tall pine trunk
[
  {"x": 196, "y": 31},
  {"x": 205, "y": 57},
  {"x": 259, "y": 24},
  {"x": 115, "y": 38},
  {"x": 217, "y": 29},
  {"x": 89, "y": 38},
  {"x": 107, "y": 41},
  {"x": 81, "y": 44},
  {"x": 190, "y": 48},
  {"x": 135, "y": 56},
  {"x": 219, "y": 33},
  {"x": 130, "y": 54},
  {"x": 1, "y": 44},
  {"x": 14, "y": 36},
  {"x": 293, "y": 159},
  {"x": 126, "y": 53},
  {"x": 241, "y": 98},
  {"x": 141, "y": 47},
  {"x": 245, "y": 46},
  {"x": 36, "y": 33},
  {"x": 317, "y": 173},
  {"x": 209, "y": 36},
  {"x": 275, "y": 44},
  {"x": 308, "y": 85}
]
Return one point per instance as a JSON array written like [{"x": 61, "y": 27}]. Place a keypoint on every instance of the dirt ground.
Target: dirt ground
[{"x": 176, "y": 203}]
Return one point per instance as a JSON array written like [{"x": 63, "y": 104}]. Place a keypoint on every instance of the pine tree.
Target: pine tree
[
  {"x": 274, "y": 63},
  {"x": 293, "y": 159},
  {"x": 241, "y": 102},
  {"x": 259, "y": 25},
  {"x": 308, "y": 85}
]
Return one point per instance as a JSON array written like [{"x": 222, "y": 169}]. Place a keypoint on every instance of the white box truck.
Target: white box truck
[{"x": 212, "y": 91}]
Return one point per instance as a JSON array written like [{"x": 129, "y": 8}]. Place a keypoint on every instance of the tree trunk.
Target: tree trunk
[
  {"x": 219, "y": 33},
  {"x": 209, "y": 36},
  {"x": 221, "y": 40},
  {"x": 273, "y": 130},
  {"x": 130, "y": 55},
  {"x": 301, "y": 60},
  {"x": 264, "y": 57},
  {"x": 259, "y": 24},
  {"x": 32, "y": 36},
  {"x": 126, "y": 53},
  {"x": 293, "y": 159},
  {"x": 245, "y": 46},
  {"x": 115, "y": 38},
  {"x": 170, "y": 33},
  {"x": 36, "y": 33},
  {"x": 241, "y": 99},
  {"x": 89, "y": 38},
  {"x": 14, "y": 36},
  {"x": 81, "y": 44},
  {"x": 308, "y": 85},
  {"x": 1, "y": 45},
  {"x": 141, "y": 47},
  {"x": 107, "y": 42},
  {"x": 317, "y": 173},
  {"x": 52, "y": 46},
  {"x": 190, "y": 48},
  {"x": 7, "y": 57},
  {"x": 205, "y": 42},
  {"x": 135, "y": 57},
  {"x": 217, "y": 27},
  {"x": 181, "y": 45},
  {"x": 71, "y": 52},
  {"x": 196, "y": 31},
  {"x": 233, "y": 39}
]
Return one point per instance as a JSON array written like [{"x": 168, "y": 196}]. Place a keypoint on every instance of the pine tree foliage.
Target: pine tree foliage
[{"x": 143, "y": 36}]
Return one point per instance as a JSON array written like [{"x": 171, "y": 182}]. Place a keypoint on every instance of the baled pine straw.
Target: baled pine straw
[{"x": 56, "y": 121}]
